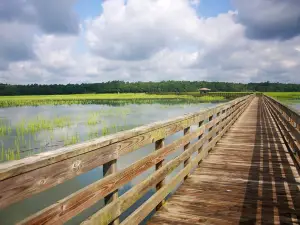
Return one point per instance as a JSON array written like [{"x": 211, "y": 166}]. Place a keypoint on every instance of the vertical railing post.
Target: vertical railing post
[
  {"x": 228, "y": 111},
  {"x": 210, "y": 119},
  {"x": 108, "y": 169},
  {"x": 289, "y": 118},
  {"x": 199, "y": 137},
  {"x": 298, "y": 128},
  {"x": 217, "y": 124},
  {"x": 158, "y": 145},
  {"x": 224, "y": 111},
  {"x": 293, "y": 123},
  {"x": 186, "y": 131},
  {"x": 233, "y": 108}
]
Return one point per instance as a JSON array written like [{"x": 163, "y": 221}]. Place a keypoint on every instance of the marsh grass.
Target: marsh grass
[
  {"x": 286, "y": 96},
  {"x": 5, "y": 129},
  {"x": 40, "y": 123},
  {"x": 26, "y": 143},
  {"x": 94, "y": 118},
  {"x": 45, "y": 131},
  {"x": 291, "y": 99},
  {"x": 71, "y": 140},
  {"x": 118, "y": 99}
]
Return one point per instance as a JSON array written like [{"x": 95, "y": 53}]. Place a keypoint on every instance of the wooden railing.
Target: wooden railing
[
  {"x": 288, "y": 122},
  {"x": 26, "y": 177}
]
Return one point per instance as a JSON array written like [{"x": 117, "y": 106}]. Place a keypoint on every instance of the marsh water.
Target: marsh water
[
  {"x": 29, "y": 130},
  {"x": 295, "y": 105}
]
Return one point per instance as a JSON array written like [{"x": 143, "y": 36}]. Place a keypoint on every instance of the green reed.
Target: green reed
[
  {"x": 71, "y": 140},
  {"x": 117, "y": 99},
  {"x": 40, "y": 123},
  {"x": 94, "y": 118}
]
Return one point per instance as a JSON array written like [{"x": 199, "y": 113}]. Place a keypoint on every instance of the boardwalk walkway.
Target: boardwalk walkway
[{"x": 248, "y": 178}]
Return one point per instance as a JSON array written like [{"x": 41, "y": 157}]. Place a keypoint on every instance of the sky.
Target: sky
[{"x": 90, "y": 41}]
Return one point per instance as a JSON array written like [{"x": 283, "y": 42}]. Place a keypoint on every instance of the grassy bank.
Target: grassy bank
[
  {"x": 288, "y": 96},
  {"x": 291, "y": 99},
  {"x": 35, "y": 100}
]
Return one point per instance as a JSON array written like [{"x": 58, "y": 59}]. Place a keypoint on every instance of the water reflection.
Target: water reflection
[{"x": 297, "y": 107}]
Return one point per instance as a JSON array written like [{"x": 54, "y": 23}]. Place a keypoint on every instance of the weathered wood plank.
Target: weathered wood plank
[
  {"x": 23, "y": 178},
  {"x": 138, "y": 215},
  {"x": 259, "y": 185},
  {"x": 115, "y": 209},
  {"x": 287, "y": 110},
  {"x": 158, "y": 145},
  {"x": 186, "y": 131},
  {"x": 14, "y": 168},
  {"x": 70, "y": 206},
  {"x": 49, "y": 169},
  {"x": 24, "y": 185},
  {"x": 289, "y": 132},
  {"x": 109, "y": 169},
  {"x": 73, "y": 204},
  {"x": 289, "y": 125}
]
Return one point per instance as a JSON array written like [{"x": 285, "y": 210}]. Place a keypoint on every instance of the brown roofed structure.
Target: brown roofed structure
[{"x": 204, "y": 90}]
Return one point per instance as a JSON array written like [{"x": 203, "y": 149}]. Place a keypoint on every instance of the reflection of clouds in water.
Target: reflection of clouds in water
[
  {"x": 113, "y": 118},
  {"x": 295, "y": 105},
  {"x": 155, "y": 112}
]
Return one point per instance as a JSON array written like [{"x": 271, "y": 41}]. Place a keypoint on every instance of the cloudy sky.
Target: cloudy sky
[{"x": 69, "y": 41}]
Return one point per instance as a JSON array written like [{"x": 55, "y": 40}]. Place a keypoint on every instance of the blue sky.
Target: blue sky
[
  {"x": 88, "y": 8},
  {"x": 207, "y": 8},
  {"x": 210, "y": 8}
]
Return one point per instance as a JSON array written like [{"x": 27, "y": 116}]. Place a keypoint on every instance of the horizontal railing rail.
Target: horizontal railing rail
[
  {"x": 24, "y": 178},
  {"x": 288, "y": 121}
]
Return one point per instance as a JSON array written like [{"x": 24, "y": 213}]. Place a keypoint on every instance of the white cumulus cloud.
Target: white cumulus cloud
[{"x": 145, "y": 40}]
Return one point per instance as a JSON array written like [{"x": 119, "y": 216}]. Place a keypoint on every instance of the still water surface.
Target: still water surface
[
  {"x": 66, "y": 124},
  {"x": 295, "y": 105}
]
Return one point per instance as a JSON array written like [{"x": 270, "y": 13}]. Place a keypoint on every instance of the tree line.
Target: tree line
[{"x": 144, "y": 87}]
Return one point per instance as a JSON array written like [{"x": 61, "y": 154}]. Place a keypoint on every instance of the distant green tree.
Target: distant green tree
[{"x": 143, "y": 87}]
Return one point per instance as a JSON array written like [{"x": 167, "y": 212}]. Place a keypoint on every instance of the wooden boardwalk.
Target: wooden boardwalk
[
  {"x": 249, "y": 177},
  {"x": 241, "y": 166}
]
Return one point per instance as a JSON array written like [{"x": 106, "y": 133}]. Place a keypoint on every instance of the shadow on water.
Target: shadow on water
[{"x": 272, "y": 195}]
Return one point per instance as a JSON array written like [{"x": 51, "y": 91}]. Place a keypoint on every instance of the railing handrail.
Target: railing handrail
[
  {"x": 288, "y": 121},
  {"x": 16, "y": 167},
  {"x": 289, "y": 109},
  {"x": 38, "y": 173}
]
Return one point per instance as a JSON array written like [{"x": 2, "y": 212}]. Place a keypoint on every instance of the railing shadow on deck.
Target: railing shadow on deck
[{"x": 270, "y": 193}]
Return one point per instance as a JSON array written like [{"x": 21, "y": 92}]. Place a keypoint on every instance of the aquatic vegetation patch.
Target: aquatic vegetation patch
[
  {"x": 284, "y": 95},
  {"x": 94, "y": 118},
  {"x": 40, "y": 123},
  {"x": 117, "y": 99},
  {"x": 49, "y": 128}
]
